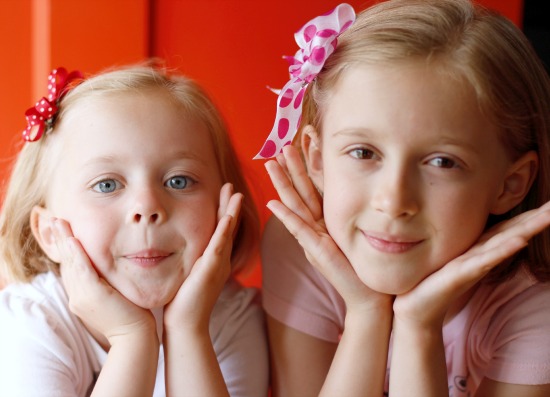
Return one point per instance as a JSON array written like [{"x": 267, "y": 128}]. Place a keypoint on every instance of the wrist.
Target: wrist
[
  {"x": 417, "y": 332},
  {"x": 366, "y": 316},
  {"x": 187, "y": 329},
  {"x": 379, "y": 309},
  {"x": 143, "y": 332}
]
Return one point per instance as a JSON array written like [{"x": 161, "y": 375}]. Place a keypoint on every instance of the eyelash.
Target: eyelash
[
  {"x": 188, "y": 182},
  {"x": 454, "y": 164},
  {"x": 355, "y": 154},
  {"x": 114, "y": 184},
  {"x": 368, "y": 154},
  {"x": 97, "y": 186}
]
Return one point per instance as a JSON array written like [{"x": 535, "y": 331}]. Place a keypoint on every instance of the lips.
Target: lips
[
  {"x": 391, "y": 245},
  {"x": 148, "y": 258}
]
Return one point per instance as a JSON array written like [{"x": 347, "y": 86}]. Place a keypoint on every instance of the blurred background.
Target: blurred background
[{"x": 233, "y": 48}]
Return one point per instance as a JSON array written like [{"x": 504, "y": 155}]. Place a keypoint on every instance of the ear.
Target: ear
[
  {"x": 41, "y": 227},
  {"x": 311, "y": 148},
  {"x": 518, "y": 181}
]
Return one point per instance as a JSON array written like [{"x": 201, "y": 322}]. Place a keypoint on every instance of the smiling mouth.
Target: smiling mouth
[
  {"x": 391, "y": 247},
  {"x": 147, "y": 259}
]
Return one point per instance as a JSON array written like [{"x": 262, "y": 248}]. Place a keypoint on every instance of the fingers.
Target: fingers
[
  {"x": 507, "y": 238},
  {"x": 295, "y": 224},
  {"x": 221, "y": 243},
  {"x": 320, "y": 250},
  {"x": 225, "y": 196},
  {"x": 300, "y": 179},
  {"x": 290, "y": 196},
  {"x": 323, "y": 253},
  {"x": 79, "y": 277},
  {"x": 525, "y": 226},
  {"x": 230, "y": 202},
  {"x": 234, "y": 206},
  {"x": 221, "y": 240},
  {"x": 62, "y": 234},
  {"x": 492, "y": 249},
  {"x": 72, "y": 255},
  {"x": 193, "y": 303},
  {"x": 475, "y": 265}
]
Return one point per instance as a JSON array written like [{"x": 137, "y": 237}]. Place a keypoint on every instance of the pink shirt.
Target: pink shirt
[{"x": 502, "y": 333}]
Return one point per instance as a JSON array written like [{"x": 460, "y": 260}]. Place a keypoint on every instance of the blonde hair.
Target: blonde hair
[
  {"x": 20, "y": 254},
  {"x": 471, "y": 44}
]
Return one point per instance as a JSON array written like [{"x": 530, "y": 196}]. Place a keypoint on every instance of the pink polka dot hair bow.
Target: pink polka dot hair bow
[
  {"x": 317, "y": 40},
  {"x": 40, "y": 116}
]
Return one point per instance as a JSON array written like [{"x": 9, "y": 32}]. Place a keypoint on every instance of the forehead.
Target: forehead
[
  {"x": 130, "y": 118},
  {"x": 130, "y": 132},
  {"x": 409, "y": 97}
]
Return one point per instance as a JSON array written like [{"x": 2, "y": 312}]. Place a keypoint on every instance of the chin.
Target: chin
[
  {"x": 151, "y": 299},
  {"x": 150, "y": 304},
  {"x": 388, "y": 285}
]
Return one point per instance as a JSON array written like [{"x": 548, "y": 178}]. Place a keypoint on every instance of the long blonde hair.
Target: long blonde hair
[
  {"x": 471, "y": 44},
  {"x": 20, "y": 256}
]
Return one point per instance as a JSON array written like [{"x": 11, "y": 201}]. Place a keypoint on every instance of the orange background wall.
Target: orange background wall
[{"x": 232, "y": 47}]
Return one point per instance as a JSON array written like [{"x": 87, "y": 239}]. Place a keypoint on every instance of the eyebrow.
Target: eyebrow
[
  {"x": 352, "y": 132},
  {"x": 441, "y": 140},
  {"x": 171, "y": 156},
  {"x": 450, "y": 141}
]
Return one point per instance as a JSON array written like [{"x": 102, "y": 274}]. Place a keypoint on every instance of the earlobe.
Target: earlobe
[
  {"x": 518, "y": 181},
  {"x": 311, "y": 147},
  {"x": 41, "y": 227}
]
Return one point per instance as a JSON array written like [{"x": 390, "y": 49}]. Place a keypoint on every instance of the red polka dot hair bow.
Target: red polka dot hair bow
[
  {"x": 317, "y": 40},
  {"x": 40, "y": 117}
]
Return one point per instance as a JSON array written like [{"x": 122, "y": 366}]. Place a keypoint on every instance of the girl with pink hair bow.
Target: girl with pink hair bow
[{"x": 417, "y": 256}]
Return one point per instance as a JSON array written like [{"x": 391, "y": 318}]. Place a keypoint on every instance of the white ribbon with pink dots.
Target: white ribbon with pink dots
[{"x": 317, "y": 40}]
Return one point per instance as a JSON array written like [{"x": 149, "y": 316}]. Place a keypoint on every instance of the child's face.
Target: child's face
[
  {"x": 410, "y": 172},
  {"x": 139, "y": 185}
]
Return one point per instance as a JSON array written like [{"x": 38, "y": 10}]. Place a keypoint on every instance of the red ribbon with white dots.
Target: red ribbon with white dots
[{"x": 40, "y": 116}]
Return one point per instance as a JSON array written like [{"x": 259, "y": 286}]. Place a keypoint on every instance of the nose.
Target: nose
[
  {"x": 395, "y": 193},
  {"x": 147, "y": 207}
]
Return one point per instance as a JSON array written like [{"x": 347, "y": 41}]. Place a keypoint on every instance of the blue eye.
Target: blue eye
[
  {"x": 106, "y": 186},
  {"x": 178, "y": 182}
]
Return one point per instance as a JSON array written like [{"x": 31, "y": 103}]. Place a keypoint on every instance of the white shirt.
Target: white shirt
[{"x": 46, "y": 351}]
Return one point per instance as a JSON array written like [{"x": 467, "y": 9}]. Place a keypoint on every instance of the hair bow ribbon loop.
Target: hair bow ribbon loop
[
  {"x": 317, "y": 40},
  {"x": 37, "y": 119},
  {"x": 40, "y": 116}
]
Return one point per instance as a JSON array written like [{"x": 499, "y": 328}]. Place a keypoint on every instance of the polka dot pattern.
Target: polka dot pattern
[
  {"x": 40, "y": 117},
  {"x": 317, "y": 40}
]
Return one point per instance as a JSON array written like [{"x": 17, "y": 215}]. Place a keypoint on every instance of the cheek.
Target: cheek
[
  {"x": 96, "y": 233},
  {"x": 459, "y": 225},
  {"x": 342, "y": 199},
  {"x": 197, "y": 227},
  {"x": 341, "y": 209}
]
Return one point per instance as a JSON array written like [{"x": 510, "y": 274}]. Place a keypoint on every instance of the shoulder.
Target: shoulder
[
  {"x": 278, "y": 244},
  {"x": 236, "y": 307},
  {"x": 41, "y": 300},
  {"x": 237, "y": 329},
  {"x": 40, "y": 336},
  {"x": 510, "y": 330},
  {"x": 520, "y": 297},
  {"x": 38, "y": 312},
  {"x": 284, "y": 264},
  {"x": 293, "y": 291},
  {"x": 524, "y": 313}
]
